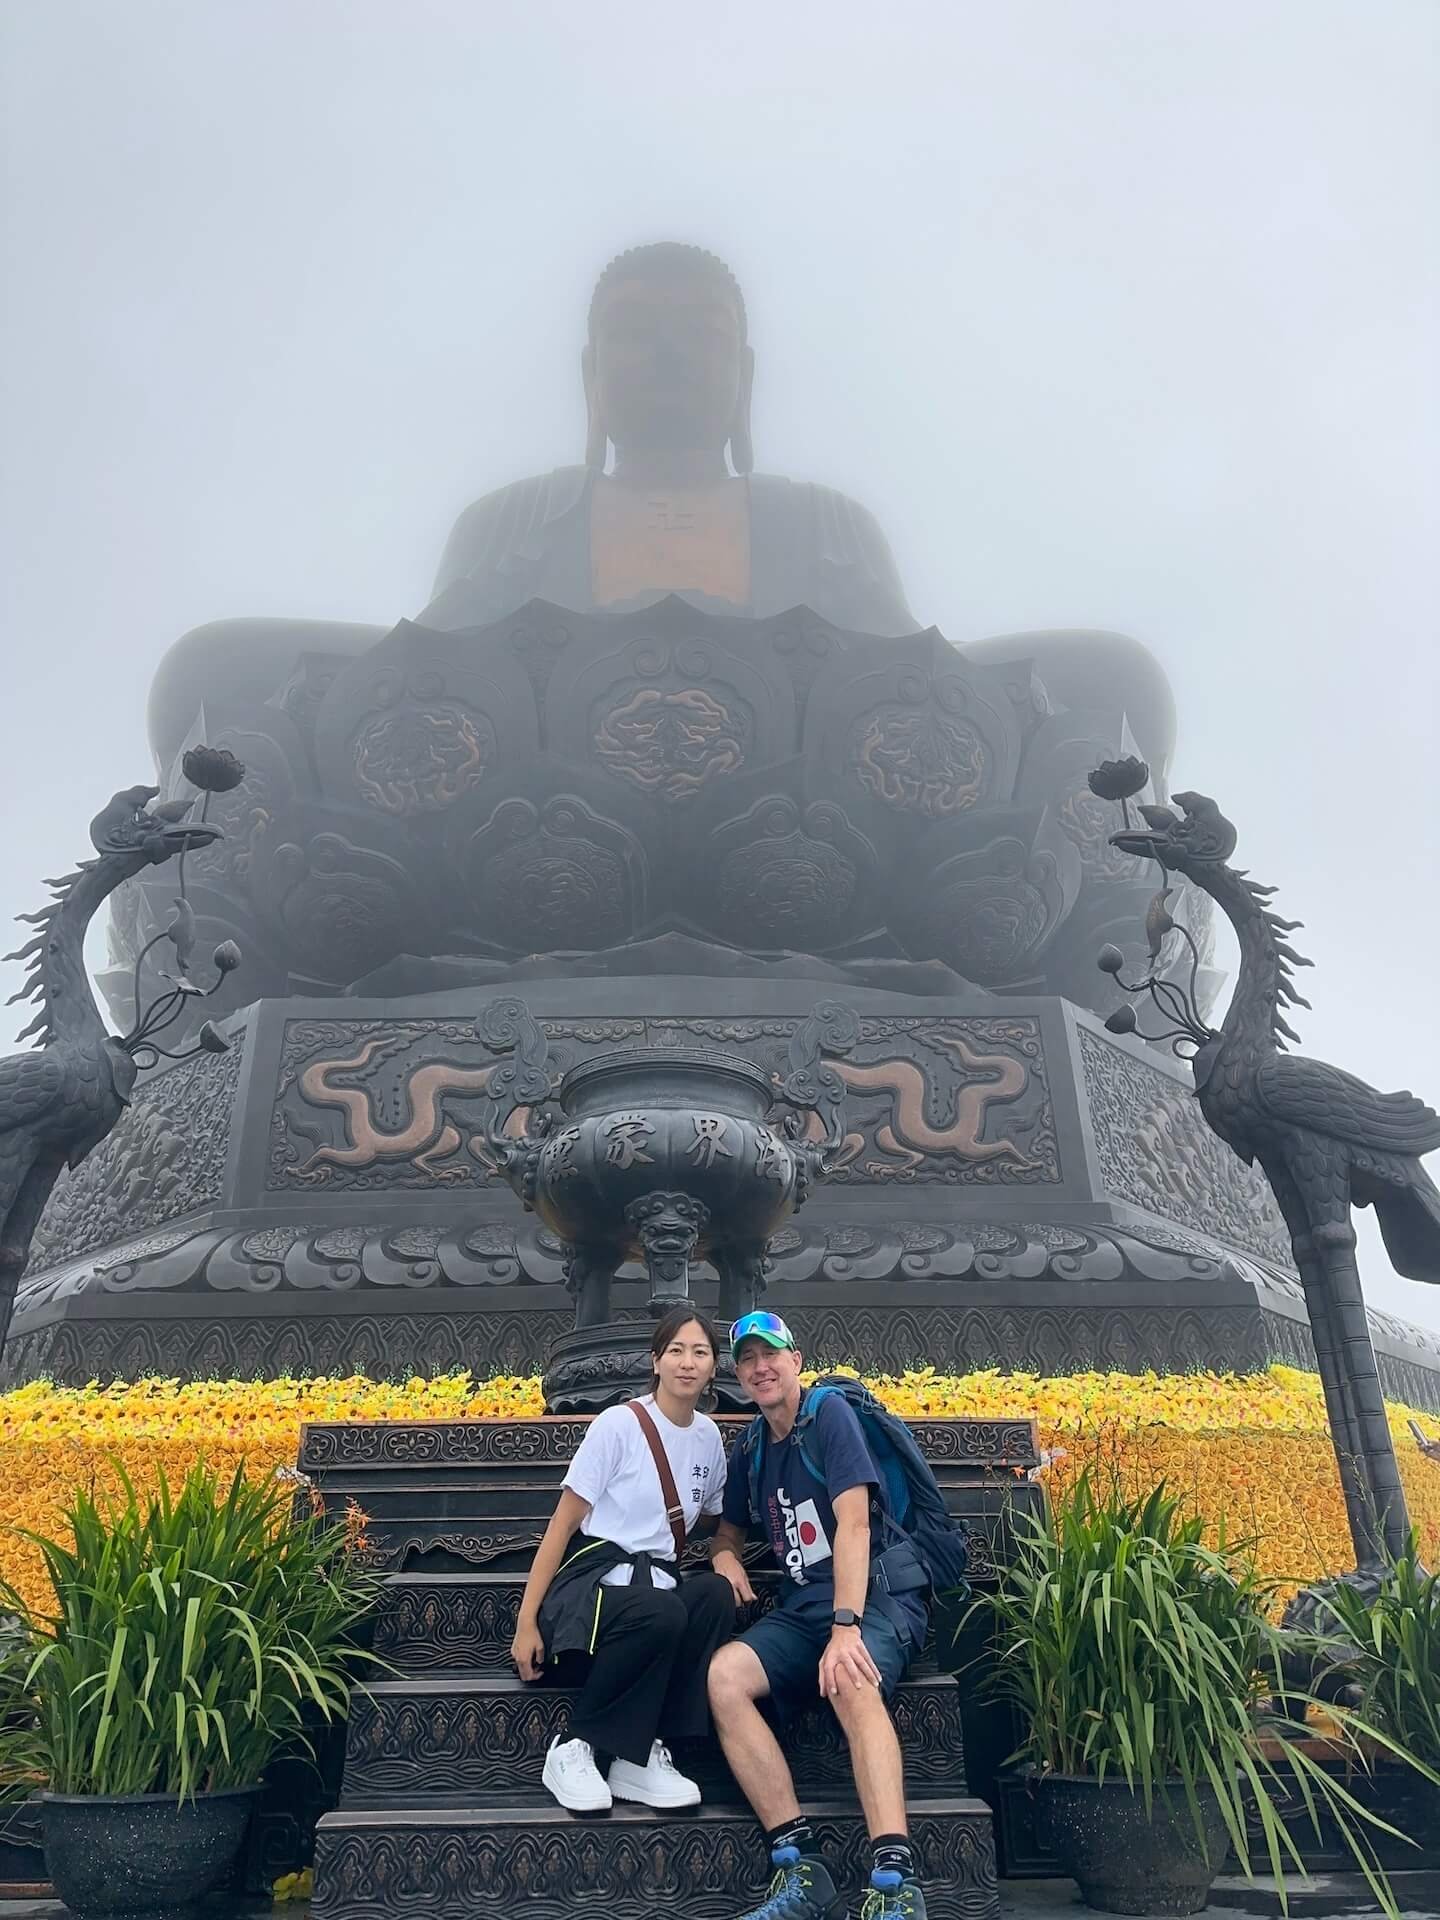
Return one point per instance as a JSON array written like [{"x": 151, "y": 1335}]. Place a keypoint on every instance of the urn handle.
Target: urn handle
[
  {"x": 507, "y": 1026},
  {"x": 813, "y": 1084}
]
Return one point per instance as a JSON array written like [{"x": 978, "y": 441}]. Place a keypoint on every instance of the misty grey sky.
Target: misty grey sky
[{"x": 1117, "y": 315}]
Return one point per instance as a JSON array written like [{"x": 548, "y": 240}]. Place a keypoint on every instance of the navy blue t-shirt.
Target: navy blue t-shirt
[{"x": 796, "y": 1505}]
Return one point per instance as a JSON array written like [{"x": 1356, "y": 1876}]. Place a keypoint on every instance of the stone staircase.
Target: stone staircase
[{"x": 442, "y": 1815}]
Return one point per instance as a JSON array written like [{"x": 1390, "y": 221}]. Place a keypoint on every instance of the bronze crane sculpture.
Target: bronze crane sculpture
[
  {"x": 60, "y": 1100},
  {"x": 1324, "y": 1140}
]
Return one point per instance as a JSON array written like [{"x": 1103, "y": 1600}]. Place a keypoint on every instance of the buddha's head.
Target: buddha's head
[{"x": 667, "y": 367}]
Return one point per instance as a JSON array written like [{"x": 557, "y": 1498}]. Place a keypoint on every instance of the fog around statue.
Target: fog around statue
[
  {"x": 656, "y": 508},
  {"x": 658, "y": 697},
  {"x": 665, "y": 502}
]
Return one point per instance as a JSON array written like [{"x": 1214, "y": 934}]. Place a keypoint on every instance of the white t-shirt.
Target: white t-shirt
[{"x": 614, "y": 1471}]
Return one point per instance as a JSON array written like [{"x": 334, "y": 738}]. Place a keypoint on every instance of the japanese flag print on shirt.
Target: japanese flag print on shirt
[{"x": 810, "y": 1531}]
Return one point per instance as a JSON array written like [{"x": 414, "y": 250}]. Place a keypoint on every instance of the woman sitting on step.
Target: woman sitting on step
[{"x": 605, "y": 1607}]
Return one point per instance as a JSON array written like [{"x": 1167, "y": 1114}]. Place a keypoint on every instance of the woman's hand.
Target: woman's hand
[
  {"x": 527, "y": 1650},
  {"x": 730, "y": 1567}
]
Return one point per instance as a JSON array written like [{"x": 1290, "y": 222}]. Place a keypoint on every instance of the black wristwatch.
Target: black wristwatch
[{"x": 846, "y": 1617}]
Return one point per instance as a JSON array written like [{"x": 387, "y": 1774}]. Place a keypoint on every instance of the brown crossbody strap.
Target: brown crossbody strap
[{"x": 674, "y": 1512}]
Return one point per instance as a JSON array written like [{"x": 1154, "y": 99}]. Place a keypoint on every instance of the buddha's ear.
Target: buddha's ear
[
  {"x": 742, "y": 449},
  {"x": 597, "y": 440}
]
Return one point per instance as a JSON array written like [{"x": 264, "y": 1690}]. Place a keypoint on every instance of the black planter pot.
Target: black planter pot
[
  {"x": 147, "y": 1856},
  {"x": 1413, "y": 1805},
  {"x": 1124, "y": 1859}
]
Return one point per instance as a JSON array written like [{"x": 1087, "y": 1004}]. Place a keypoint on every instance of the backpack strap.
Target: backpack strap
[
  {"x": 753, "y": 1444},
  {"x": 674, "y": 1512},
  {"x": 804, "y": 1420}
]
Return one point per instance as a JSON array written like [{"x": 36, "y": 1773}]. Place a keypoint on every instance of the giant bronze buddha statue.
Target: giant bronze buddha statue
[
  {"x": 667, "y": 373},
  {"x": 666, "y": 502},
  {"x": 634, "y": 667}
]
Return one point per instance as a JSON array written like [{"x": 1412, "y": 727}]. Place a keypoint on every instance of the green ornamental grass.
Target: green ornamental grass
[
  {"x": 1396, "y": 1657},
  {"x": 193, "y": 1635},
  {"x": 1135, "y": 1652}
]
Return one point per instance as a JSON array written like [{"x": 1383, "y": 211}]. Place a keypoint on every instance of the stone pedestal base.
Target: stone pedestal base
[{"x": 1019, "y": 1189}]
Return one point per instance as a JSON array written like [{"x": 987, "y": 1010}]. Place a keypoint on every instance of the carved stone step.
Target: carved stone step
[
  {"x": 452, "y": 1496},
  {"x": 435, "y": 1527},
  {"x": 629, "y": 1864},
  {"x": 485, "y": 1741},
  {"x": 458, "y": 1623}
]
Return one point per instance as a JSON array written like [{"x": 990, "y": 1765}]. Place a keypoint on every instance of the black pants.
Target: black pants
[{"x": 646, "y": 1677}]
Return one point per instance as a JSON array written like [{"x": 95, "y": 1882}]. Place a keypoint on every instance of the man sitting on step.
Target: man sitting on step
[{"x": 836, "y": 1633}]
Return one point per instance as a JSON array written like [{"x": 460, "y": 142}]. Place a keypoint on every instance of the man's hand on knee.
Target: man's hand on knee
[{"x": 846, "y": 1665}]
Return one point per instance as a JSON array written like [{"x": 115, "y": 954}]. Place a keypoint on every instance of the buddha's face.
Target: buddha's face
[{"x": 668, "y": 362}]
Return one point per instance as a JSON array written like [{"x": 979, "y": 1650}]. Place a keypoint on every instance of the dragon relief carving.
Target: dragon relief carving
[
  {"x": 427, "y": 1138},
  {"x": 923, "y": 1118},
  {"x": 908, "y": 1136}
]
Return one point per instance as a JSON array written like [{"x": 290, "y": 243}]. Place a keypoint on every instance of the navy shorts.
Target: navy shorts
[{"x": 788, "y": 1642}]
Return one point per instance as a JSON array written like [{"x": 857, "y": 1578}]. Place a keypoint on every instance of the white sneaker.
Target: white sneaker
[
  {"x": 657, "y": 1784},
  {"x": 573, "y": 1777}
]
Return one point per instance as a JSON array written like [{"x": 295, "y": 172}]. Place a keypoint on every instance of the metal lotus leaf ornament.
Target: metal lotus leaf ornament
[
  {"x": 181, "y": 933},
  {"x": 1158, "y": 922},
  {"x": 58, "y": 1102}
]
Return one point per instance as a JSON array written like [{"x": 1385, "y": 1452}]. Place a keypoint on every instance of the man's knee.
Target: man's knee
[
  {"x": 736, "y": 1679},
  {"x": 860, "y": 1710}
]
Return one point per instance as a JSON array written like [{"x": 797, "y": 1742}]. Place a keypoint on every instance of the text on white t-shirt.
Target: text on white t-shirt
[{"x": 614, "y": 1471}]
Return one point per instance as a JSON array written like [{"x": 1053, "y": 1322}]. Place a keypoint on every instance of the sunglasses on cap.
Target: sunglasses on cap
[{"x": 768, "y": 1327}]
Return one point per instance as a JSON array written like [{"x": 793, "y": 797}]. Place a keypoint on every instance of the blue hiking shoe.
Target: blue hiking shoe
[
  {"x": 801, "y": 1890},
  {"x": 892, "y": 1897}
]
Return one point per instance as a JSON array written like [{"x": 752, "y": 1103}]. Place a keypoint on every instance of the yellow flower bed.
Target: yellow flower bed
[{"x": 1252, "y": 1453}]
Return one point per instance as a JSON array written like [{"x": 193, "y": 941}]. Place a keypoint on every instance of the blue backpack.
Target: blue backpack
[{"x": 911, "y": 1503}]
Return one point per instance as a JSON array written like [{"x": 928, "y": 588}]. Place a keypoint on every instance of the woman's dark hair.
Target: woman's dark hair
[{"x": 667, "y": 1328}]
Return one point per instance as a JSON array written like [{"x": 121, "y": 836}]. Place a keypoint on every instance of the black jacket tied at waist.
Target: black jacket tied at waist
[{"x": 570, "y": 1611}]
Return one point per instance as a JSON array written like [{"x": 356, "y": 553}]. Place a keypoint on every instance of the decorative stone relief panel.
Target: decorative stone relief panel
[
  {"x": 364, "y": 1105},
  {"x": 165, "y": 1158},
  {"x": 1157, "y": 1152}
]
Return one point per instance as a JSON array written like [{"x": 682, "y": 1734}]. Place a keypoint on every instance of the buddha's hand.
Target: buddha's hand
[
  {"x": 527, "y": 1650},
  {"x": 730, "y": 1567}
]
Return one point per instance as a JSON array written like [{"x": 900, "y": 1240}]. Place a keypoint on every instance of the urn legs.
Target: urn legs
[
  {"x": 742, "y": 1272},
  {"x": 589, "y": 1271}
]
